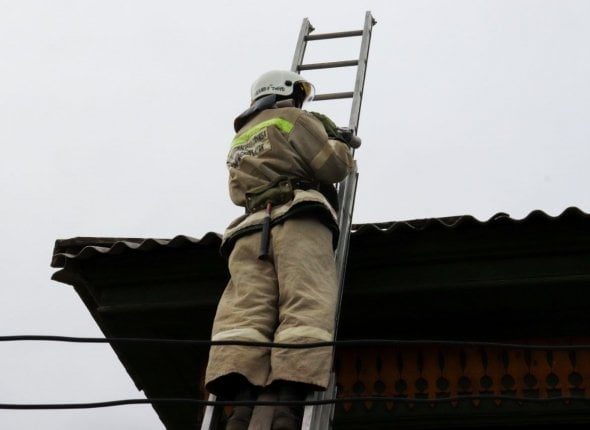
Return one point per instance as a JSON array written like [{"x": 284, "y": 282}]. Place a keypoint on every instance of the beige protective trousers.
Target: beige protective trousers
[{"x": 289, "y": 299}]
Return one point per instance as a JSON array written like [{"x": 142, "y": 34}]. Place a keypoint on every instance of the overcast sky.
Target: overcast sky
[{"x": 116, "y": 116}]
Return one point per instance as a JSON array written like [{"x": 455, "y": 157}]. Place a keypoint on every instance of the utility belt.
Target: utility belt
[{"x": 278, "y": 192}]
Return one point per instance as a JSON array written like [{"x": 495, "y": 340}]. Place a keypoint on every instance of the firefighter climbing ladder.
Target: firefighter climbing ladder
[{"x": 319, "y": 416}]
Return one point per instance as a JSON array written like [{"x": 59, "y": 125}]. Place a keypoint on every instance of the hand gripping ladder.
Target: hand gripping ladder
[{"x": 319, "y": 414}]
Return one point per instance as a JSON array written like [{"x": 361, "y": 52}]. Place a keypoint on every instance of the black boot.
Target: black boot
[
  {"x": 289, "y": 417},
  {"x": 240, "y": 418}
]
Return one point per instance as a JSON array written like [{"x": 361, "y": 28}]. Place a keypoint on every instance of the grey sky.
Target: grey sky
[{"x": 115, "y": 119}]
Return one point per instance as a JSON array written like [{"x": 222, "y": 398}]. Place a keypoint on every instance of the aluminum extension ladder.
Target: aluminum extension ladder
[{"x": 320, "y": 416}]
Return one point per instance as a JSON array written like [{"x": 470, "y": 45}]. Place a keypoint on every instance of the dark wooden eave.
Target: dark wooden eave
[{"x": 457, "y": 278}]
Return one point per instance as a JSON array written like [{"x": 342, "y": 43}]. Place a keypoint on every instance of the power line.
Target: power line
[
  {"x": 337, "y": 343},
  {"x": 339, "y": 400}
]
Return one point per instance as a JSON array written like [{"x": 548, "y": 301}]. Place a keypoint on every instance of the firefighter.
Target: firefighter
[{"x": 282, "y": 165}]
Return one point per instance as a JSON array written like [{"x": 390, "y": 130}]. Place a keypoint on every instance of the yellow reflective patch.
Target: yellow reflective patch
[
  {"x": 289, "y": 334},
  {"x": 280, "y": 123},
  {"x": 241, "y": 333}
]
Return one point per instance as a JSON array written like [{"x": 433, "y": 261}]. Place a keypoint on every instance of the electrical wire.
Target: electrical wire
[
  {"x": 339, "y": 400},
  {"x": 336, "y": 343}
]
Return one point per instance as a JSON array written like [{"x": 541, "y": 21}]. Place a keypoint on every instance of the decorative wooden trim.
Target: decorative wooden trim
[{"x": 436, "y": 372}]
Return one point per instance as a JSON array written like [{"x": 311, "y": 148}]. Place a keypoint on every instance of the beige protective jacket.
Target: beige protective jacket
[
  {"x": 288, "y": 142},
  {"x": 292, "y": 296}
]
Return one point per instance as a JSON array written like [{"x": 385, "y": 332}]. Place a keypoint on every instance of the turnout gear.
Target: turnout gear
[
  {"x": 289, "y": 298},
  {"x": 290, "y": 295},
  {"x": 289, "y": 142},
  {"x": 285, "y": 291},
  {"x": 329, "y": 125}
]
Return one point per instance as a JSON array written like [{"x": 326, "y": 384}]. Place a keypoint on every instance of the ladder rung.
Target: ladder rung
[
  {"x": 329, "y": 65},
  {"x": 333, "y": 96},
  {"x": 334, "y": 35}
]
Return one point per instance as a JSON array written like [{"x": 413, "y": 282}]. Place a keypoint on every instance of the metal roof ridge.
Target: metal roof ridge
[
  {"x": 87, "y": 247},
  {"x": 83, "y": 247},
  {"x": 459, "y": 220}
]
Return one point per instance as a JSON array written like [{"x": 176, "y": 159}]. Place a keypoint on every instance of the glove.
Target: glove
[
  {"x": 329, "y": 126},
  {"x": 344, "y": 135},
  {"x": 349, "y": 138}
]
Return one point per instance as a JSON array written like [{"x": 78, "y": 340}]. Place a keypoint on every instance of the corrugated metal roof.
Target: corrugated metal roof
[
  {"x": 465, "y": 220},
  {"x": 437, "y": 278},
  {"x": 89, "y": 247}
]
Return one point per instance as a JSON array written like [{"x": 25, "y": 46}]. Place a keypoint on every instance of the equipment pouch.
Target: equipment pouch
[{"x": 277, "y": 192}]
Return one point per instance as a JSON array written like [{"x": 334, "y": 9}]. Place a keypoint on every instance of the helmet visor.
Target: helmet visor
[{"x": 309, "y": 91}]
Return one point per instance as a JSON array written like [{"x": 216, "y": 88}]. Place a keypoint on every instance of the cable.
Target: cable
[
  {"x": 339, "y": 400},
  {"x": 341, "y": 343},
  {"x": 337, "y": 343}
]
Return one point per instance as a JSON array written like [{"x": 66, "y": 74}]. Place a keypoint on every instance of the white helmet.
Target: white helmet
[{"x": 281, "y": 83}]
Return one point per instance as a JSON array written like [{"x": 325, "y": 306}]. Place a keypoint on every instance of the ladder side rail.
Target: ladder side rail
[
  {"x": 212, "y": 415},
  {"x": 319, "y": 417},
  {"x": 346, "y": 197},
  {"x": 306, "y": 28},
  {"x": 361, "y": 72}
]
